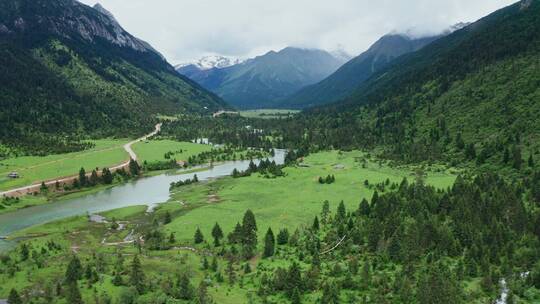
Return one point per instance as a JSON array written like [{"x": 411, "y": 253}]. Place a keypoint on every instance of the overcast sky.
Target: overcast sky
[{"x": 184, "y": 30}]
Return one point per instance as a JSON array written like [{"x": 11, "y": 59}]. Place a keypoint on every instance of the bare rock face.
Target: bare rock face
[{"x": 70, "y": 19}]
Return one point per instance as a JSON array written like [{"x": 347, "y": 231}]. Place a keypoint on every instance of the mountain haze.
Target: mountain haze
[{"x": 265, "y": 80}]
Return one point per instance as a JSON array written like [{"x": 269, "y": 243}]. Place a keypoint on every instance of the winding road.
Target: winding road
[{"x": 35, "y": 187}]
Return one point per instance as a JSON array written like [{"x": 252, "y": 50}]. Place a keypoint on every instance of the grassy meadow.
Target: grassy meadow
[
  {"x": 285, "y": 202},
  {"x": 155, "y": 150},
  {"x": 34, "y": 169}
]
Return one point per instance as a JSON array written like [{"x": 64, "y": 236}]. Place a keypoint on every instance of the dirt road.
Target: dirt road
[{"x": 64, "y": 180}]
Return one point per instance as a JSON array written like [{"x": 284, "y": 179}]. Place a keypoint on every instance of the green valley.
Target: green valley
[{"x": 411, "y": 174}]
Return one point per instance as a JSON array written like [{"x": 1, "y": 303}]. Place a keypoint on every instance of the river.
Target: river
[{"x": 144, "y": 191}]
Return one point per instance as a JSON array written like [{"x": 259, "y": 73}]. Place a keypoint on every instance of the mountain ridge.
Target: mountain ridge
[{"x": 264, "y": 80}]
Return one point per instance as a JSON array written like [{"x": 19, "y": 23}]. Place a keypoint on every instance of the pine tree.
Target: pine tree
[
  {"x": 531, "y": 161},
  {"x": 134, "y": 168},
  {"x": 470, "y": 151},
  {"x": 363, "y": 209},
  {"x": 74, "y": 270},
  {"x": 315, "y": 225},
  {"x": 43, "y": 188},
  {"x": 341, "y": 212},
  {"x": 198, "y": 237},
  {"x": 294, "y": 279},
  {"x": 249, "y": 234},
  {"x": 94, "y": 179},
  {"x": 205, "y": 264},
  {"x": 136, "y": 278},
  {"x": 269, "y": 244},
  {"x": 459, "y": 141},
  {"x": 107, "y": 176},
  {"x": 185, "y": 289},
  {"x": 117, "y": 279},
  {"x": 14, "y": 297},
  {"x": 217, "y": 234},
  {"x": 325, "y": 211},
  {"x": 283, "y": 237},
  {"x": 25, "y": 252},
  {"x": 214, "y": 265},
  {"x": 82, "y": 178},
  {"x": 167, "y": 219}
]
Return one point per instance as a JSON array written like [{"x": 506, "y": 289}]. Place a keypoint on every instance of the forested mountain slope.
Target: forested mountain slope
[
  {"x": 474, "y": 93},
  {"x": 69, "y": 69},
  {"x": 348, "y": 77}
]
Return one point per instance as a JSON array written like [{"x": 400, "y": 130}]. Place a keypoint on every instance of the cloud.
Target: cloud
[{"x": 187, "y": 29}]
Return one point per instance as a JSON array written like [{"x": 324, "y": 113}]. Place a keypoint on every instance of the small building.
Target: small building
[{"x": 13, "y": 175}]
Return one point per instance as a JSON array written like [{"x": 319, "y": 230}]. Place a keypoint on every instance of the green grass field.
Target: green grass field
[
  {"x": 34, "y": 169},
  {"x": 154, "y": 150},
  {"x": 284, "y": 202},
  {"x": 268, "y": 113}
]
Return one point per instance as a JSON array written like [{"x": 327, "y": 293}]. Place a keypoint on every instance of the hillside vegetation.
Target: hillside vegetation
[{"x": 69, "y": 70}]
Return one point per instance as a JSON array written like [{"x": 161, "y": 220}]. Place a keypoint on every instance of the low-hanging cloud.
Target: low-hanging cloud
[{"x": 187, "y": 29}]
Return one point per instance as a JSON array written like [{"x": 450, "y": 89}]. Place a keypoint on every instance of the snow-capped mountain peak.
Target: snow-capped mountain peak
[{"x": 212, "y": 61}]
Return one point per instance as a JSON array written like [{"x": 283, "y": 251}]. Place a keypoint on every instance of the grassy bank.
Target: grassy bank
[{"x": 35, "y": 169}]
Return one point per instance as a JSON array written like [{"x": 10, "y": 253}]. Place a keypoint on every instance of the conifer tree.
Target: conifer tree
[
  {"x": 136, "y": 278},
  {"x": 94, "y": 179},
  {"x": 198, "y": 237},
  {"x": 167, "y": 219},
  {"x": 325, "y": 211},
  {"x": 249, "y": 234},
  {"x": 315, "y": 225},
  {"x": 217, "y": 234},
  {"x": 82, "y": 178},
  {"x": 25, "y": 252},
  {"x": 283, "y": 237},
  {"x": 269, "y": 244},
  {"x": 74, "y": 270},
  {"x": 134, "y": 168},
  {"x": 341, "y": 212},
  {"x": 185, "y": 289},
  {"x": 107, "y": 176},
  {"x": 363, "y": 209}
]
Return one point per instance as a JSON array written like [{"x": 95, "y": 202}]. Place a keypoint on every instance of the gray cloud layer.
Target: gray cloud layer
[{"x": 187, "y": 29}]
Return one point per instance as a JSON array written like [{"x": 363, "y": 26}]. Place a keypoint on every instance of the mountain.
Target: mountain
[
  {"x": 207, "y": 63},
  {"x": 473, "y": 93},
  {"x": 342, "y": 82},
  {"x": 265, "y": 80},
  {"x": 71, "y": 70}
]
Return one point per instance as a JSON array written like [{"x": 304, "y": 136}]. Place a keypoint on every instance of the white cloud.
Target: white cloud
[{"x": 187, "y": 29}]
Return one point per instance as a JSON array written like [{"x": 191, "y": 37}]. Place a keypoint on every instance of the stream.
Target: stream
[{"x": 148, "y": 191}]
